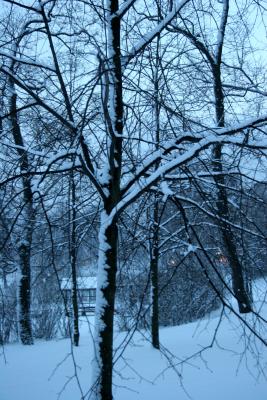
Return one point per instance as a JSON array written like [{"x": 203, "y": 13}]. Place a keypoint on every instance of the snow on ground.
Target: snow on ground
[{"x": 45, "y": 371}]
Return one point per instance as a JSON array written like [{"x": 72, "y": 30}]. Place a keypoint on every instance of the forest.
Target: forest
[{"x": 133, "y": 185}]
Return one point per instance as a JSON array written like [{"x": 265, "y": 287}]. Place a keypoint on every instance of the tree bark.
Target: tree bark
[
  {"x": 154, "y": 264},
  {"x": 25, "y": 327},
  {"x": 108, "y": 234},
  {"x": 27, "y": 222},
  {"x": 222, "y": 203},
  {"x": 73, "y": 259},
  {"x": 106, "y": 290}
]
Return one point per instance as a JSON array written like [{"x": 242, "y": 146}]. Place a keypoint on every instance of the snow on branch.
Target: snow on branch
[
  {"x": 124, "y": 8},
  {"x": 140, "y": 185},
  {"x": 38, "y": 100},
  {"x": 26, "y": 61},
  {"x": 203, "y": 140},
  {"x": 147, "y": 38}
]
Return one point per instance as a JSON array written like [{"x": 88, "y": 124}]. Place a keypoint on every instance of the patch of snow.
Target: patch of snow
[{"x": 46, "y": 370}]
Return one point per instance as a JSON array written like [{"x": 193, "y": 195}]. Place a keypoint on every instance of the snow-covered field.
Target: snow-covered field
[{"x": 46, "y": 371}]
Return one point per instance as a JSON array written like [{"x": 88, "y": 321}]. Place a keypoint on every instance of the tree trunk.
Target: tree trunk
[
  {"x": 154, "y": 264},
  {"x": 106, "y": 289},
  {"x": 222, "y": 204},
  {"x": 108, "y": 234},
  {"x": 26, "y": 221},
  {"x": 154, "y": 277},
  {"x": 24, "y": 298},
  {"x": 73, "y": 259}
]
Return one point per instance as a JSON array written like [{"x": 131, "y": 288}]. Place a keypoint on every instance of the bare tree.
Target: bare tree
[
  {"x": 100, "y": 139},
  {"x": 27, "y": 217},
  {"x": 213, "y": 57}
]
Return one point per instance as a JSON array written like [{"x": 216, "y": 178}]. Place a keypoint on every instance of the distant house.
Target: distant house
[{"x": 86, "y": 293}]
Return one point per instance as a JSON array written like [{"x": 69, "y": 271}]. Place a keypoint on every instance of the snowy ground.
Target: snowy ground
[{"x": 45, "y": 371}]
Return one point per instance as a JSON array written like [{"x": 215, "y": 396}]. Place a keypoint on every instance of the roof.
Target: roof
[{"x": 85, "y": 282}]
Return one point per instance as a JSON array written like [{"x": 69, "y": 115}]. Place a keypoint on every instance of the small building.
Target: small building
[{"x": 86, "y": 290}]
